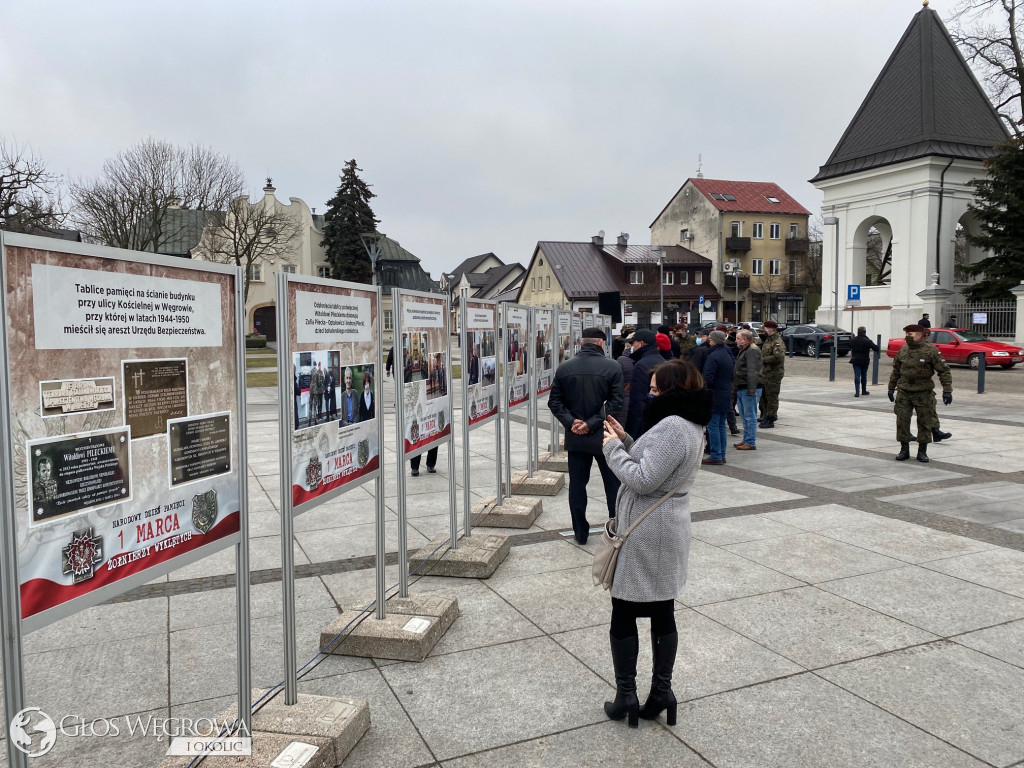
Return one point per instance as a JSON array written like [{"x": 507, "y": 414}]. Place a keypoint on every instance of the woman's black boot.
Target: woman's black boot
[
  {"x": 624, "y": 653},
  {"x": 661, "y": 697}
]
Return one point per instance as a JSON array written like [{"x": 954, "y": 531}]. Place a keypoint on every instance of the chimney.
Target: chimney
[
  {"x": 598, "y": 239},
  {"x": 623, "y": 238}
]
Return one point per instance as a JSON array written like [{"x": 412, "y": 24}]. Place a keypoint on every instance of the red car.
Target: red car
[{"x": 965, "y": 347}]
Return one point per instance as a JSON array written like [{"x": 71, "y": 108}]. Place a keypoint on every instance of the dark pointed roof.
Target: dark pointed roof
[{"x": 925, "y": 102}]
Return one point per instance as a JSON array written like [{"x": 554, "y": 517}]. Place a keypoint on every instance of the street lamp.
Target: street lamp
[
  {"x": 834, "y": 221},
  {"x": 371, "y": 242},
  {"x": 657, "y": 249}
]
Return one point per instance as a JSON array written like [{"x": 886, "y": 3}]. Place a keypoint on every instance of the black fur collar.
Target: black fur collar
[{"x": 691, "y": 404}]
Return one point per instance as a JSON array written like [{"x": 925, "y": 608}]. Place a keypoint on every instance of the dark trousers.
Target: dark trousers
[
  {"x": 579, "y": 475},
  {"x": 626, "y": 612},
  {"x": 860, "y": 378},
  {"x": 414, "y": 462}
]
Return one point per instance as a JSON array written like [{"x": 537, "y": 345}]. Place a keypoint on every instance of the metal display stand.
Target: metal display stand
[{"x": 12, "y": 624}]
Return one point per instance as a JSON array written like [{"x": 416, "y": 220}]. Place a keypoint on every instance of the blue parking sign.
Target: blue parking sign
[
  {"x": 701, "y": 300},
  {"x": 853, "y": 293}
]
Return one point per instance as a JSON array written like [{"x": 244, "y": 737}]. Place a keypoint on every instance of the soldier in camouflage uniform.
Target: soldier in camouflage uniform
[
  {"x": 773, "y": 353},
  {"x": 912, "y": 371}
]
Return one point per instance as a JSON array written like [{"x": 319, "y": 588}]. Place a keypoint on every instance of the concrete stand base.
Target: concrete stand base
[
  {"x": 477, "y": 557},
  {"x": 410, "y": 630},
  {"x": 559, "y": 463},
  {"x": 561, "y": 445},
  {"x": 271, "y": 749},
  {"x": 513, "y": 513},
  {"x": 543, "y": 483}
]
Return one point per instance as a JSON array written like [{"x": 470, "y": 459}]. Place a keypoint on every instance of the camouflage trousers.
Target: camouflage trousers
[
  {"x": 770, "y": 399},
  {"x": 927, "y": 419}
]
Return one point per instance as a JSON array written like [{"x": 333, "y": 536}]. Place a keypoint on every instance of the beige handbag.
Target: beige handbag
[{"x": 606, "y": 554}]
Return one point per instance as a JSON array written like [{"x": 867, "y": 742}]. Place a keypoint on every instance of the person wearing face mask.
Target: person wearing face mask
[
  {"x": 646, "y": 355},
  {"x": 698, "y": 353},
  {"x": 911, "y": 388},
  {"x": 718, "y": 374},
  {"x": 625, "y": 362},
  {"x": 749, "y": 385}
]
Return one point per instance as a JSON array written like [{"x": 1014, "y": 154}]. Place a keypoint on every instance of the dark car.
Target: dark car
[{"x": 812, "y": 340}]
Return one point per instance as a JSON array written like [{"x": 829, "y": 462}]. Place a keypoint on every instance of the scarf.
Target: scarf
[{"x": 690, "y": 404}]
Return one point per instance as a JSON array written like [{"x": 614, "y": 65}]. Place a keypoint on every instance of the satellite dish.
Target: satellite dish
[
  {"x": 601, "y": 234},
  {"x": 707, "y": 304}
]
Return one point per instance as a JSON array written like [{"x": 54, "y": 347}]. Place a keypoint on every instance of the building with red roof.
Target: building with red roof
[{"x": 755, "y": 235}]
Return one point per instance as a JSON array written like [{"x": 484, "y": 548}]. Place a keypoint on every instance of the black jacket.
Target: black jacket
[
  {"x": 583, "y": 388},
  {"x": 698, "y": 354},
  {"x": 861, "y": 348},
  {"x": 644, "y": 361},
  {"x": 718, "y": 373}
]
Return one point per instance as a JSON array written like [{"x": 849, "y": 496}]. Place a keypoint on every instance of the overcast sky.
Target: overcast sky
[{"x": 481, "y": 125}]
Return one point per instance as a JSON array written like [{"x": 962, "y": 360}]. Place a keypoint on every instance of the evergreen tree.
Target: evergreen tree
[
  {"x": 349, "y": 215},
  {"x": 999, "y": 206}
]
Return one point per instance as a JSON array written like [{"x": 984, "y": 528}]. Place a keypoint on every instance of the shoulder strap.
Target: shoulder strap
[{"x": 653, "y": 507}]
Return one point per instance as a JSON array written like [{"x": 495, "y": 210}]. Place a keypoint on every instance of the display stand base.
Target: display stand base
[
  {"x": 543, "y": 483},
  {"x": 513, "y": 513},
  {"x": 557, "y": 463},
  {"x": 409, "y": 632},
  {"x": 561, "y": 446},
  {"x": 332, "y": 725},
  {"x": 476, "y": 558}
]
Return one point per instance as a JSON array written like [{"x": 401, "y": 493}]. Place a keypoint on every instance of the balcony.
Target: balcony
[
  {"x": 797, "y": 245},
  {"x": 737, "y": 243}
]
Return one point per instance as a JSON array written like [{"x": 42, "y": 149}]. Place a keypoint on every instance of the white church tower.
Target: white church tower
[{"x": 903, "y": 168}]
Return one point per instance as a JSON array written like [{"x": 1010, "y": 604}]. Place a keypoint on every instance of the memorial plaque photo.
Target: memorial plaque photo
[
  {"x": 59, "y": 398},
  {"x": 155, "y": 392},
  {"x": 200, "y": 447},
  {"x": 75, "y": 473},
  {"x": 423, "y": 347},
  {"x": 109, "y": 347}
]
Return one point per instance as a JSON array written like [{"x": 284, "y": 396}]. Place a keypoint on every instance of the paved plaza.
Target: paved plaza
[{"x": 842, "y": 609}]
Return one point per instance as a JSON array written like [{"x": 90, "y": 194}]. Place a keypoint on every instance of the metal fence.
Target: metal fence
[{"x": 992, "y": 318}]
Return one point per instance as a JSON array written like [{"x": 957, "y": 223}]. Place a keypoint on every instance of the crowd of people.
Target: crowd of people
[{"x": 642, "y": 417}]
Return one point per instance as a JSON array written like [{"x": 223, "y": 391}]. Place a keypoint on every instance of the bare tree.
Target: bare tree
[
  {"x": 30, "y": 198},
  {"x": 989, "y": 34},
  {"x": 249, "y": 235},
  {"x": 812, "y": 265},
  {"x": 129, "y": 205}
]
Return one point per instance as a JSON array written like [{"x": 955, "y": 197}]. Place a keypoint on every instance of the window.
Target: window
[
  {"x": 736, "y": 229},
  {"x": 773, "y": 231},
  {"x": 794, "y": 230},
  {"x": 684, "y": 278},
  {"x": 942, "y": 337},
  {"x": 772, "y": 199},
  {"x": 684, "y": 235},
  {"x": 758, "y": 230},
  {"x": 255, "y": 273},
  {"x": 548, "y": 278},
  {"x": 288, "y": 268},
  {"x": 773, "y": 266},
  {"x": 698, "y": 278},
  {"x": 540, "y": 262},
  {"x": 636, "y": 277},
  {"x": 724, "y": 197},
  {"x": 533, "y": 283},
  {"x": 389, "y": 320},
  {"x": 668, "y": 279},
  {"x": 757, "y": 266},
  {"x": 792, "y": 270},
  {"x": 323, "y": 271}
]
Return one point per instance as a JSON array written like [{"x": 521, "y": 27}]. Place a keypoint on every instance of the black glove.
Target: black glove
[
  {"x": 947, "y": 398},
  {"x": 892, "y": 395}
]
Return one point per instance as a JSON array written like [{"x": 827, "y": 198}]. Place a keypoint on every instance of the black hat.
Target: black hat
[
  {"x": 593, "y": 333},
  {"x": 645, "y": 335}
]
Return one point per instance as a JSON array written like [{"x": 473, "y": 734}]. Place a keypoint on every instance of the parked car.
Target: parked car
[
  {"x": 804, "y": 336},
  {"x": 961, "y": 346}
]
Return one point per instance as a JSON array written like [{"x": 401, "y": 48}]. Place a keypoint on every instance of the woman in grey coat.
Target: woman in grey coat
[{"x": 651, "y": 570}]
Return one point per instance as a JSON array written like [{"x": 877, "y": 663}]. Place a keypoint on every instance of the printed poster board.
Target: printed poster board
[
  {"x": 545, "y": 350},
  {"x": 564, "y": 335},
  {"x": 481, "y": 365},
  {"x": 604, "y": 322},
  {"x": 517, "y": 354},
  {"x": 577, "y": 333},
  {"x": 124, "y": 418},
  {"x": 426, "y": 399},
  {"x": 334, "y": 344}
]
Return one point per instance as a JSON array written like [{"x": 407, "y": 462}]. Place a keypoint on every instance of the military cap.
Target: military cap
[{"x": 915, "y": 328}]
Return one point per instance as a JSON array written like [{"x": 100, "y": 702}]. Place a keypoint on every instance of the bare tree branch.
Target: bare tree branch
[
  {"x": 30, "y": 196},
  {"x": 128, "y": 205},
  {"x": 250, "y": 234}
]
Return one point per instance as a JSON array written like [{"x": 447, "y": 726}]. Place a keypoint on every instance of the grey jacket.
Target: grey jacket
[
  {"x": 652, "y": 562},
  {"x": 748, "y": 374}
]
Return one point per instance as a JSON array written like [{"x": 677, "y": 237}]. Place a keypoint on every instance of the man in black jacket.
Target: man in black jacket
[
  {"x": 583, "y": 391},
  {"x": 646, "y": 356},
  {"x": 861, "y": 348}
]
